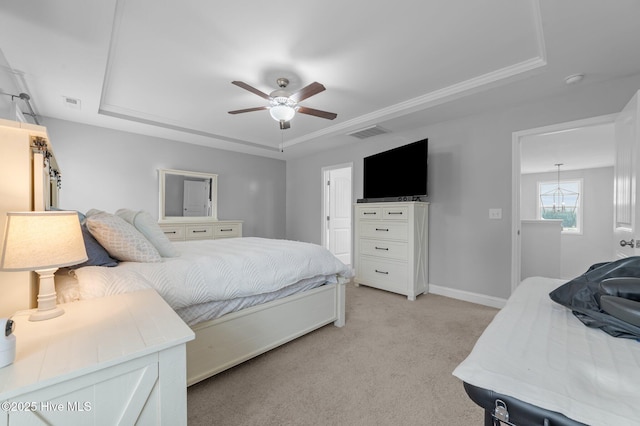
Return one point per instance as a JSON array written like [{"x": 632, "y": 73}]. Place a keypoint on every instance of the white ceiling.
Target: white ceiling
[
  {"x": 587, "y": 147},
  {"x": 165, "y": 68}
]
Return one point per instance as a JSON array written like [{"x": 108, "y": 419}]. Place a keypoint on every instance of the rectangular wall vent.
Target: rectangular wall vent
[
  {"x": 368, "y": 132},
  {"x": 72, "y": 102}
]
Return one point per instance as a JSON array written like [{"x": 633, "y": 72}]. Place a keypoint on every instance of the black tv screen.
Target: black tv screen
[{"x": 400, "y": 173}]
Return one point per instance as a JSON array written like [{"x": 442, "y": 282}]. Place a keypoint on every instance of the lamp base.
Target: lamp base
[
  {"x": 47, "y": 307},
  {"x": 45, "y": 315}
]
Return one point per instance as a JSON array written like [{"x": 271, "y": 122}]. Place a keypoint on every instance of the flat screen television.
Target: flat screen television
[{"x": 399, "y": 174}]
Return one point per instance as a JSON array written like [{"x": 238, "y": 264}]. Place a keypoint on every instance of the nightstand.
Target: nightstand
[{"x": 114, "y": 360}]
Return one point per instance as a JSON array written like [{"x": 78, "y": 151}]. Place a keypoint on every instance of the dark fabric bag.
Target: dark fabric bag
[{"x": 582, "y": 296}]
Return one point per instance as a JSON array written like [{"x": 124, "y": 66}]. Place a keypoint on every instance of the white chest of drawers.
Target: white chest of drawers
[
  {"x": 204, "y": 230},
  {"x": 391, "y": 247},
  {"x": 114, "y": 360}
]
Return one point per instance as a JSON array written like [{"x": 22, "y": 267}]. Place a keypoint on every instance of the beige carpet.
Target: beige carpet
[{"x": 390, "y": 364}]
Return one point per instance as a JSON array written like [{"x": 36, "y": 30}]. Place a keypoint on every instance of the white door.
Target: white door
[
  {"x": 338, "y": 213},
  {"x": 196, "y": 198},
  {"x": 626, "y": 189}
]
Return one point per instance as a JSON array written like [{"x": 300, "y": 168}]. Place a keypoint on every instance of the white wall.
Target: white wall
[
  {"x": 109, "y": 169},
  {"x": 578, "y": 252},
  {"x": 469, "y": 172}
]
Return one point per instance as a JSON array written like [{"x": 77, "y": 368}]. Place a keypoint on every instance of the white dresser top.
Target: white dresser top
[{"x": 90, "y": 335}]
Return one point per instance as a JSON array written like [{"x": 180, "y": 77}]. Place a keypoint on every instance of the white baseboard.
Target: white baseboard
[{"x": 480, "y": 299}]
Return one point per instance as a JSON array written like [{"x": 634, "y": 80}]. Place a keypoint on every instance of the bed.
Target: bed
[
  {"x": 241, "y": 296},
  {"x": 537, "y": 362}
]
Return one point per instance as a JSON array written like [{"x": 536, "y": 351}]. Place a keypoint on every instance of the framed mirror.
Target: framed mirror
[{"x": 186, "y": 195}]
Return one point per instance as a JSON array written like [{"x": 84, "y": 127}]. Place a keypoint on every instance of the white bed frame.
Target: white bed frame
[{"x": 236, "y": 337}]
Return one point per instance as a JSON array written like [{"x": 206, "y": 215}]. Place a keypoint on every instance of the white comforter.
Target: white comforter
[
  {"x": 537, "y": 351},
  {"x": 213, "y": 270}
]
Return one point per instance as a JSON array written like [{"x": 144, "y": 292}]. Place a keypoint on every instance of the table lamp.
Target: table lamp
[{"x": 43, "y": 242}]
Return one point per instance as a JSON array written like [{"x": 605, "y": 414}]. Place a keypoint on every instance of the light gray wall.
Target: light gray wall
[
  {"x": 578, "y": 252},
  {"x": 469, "y": 172},
  {"x": 109, "y": 169}
]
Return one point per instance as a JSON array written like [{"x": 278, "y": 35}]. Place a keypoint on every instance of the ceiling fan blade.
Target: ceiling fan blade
[
  {"x": 317, "y": 113},
  {"x": 251, "y": 89},
  {"x": 307, "y": 91},
  {"x": 239, "y": 111}
]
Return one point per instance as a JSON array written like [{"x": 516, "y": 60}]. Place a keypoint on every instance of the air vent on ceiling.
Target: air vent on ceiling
[
  {"x": 72, "y": 102},
  {"x": 368, "y": 132}
]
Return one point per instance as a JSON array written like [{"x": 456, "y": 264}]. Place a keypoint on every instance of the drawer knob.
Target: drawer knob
[
  {"x": 382, "y": 229},
  {"x": 169, "y": 232},
  {"x": 395, "y": 213},
  {"x": 382, "y": 272},
  {"x": 382, "y": 248},
  {"x": 195, "y": 230},
  {"x": 226, "y": 230},
  {"x": 368, "y": 212}
]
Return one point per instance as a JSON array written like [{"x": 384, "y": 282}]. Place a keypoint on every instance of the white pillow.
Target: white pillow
[
  {"x": 144, "y": 223},
  {"x": 121, "y": 239}
]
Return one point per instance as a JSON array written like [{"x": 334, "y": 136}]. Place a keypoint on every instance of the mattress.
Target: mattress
[
  {"x": 196, "y": 314},
  {"x": 537, "y": 351},
  {"x": 68, "y": 290},
  {"x": 212, "y": 277}
]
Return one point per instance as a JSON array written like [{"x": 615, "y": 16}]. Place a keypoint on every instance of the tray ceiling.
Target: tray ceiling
[{"x": 165, "y": 68}]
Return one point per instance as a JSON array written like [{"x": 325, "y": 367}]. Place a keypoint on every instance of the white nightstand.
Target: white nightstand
[{"x": 114, "y": 360}]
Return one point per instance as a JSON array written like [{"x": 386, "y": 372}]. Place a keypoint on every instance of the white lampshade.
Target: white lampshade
[{"x": 43, "y": 242}]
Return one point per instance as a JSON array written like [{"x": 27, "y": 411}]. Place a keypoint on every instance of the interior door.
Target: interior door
[
  {"x": 196, "y": 198},
  {"x": 339, "y": 214},
  {"x": 626, "y": 189}
]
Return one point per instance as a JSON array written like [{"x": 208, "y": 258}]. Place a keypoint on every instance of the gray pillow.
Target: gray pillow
[
  {"x": 97, "y": 254},
  {"x": 121, "y": 239},
  {"x": 144, "y": 223}
]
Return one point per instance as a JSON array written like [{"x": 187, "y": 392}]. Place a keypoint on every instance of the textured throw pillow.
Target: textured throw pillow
[
  {"x": 121, "y": 239},
  {"x": 144, "y": 223},
  {"x": 92, "y": 212},
  {"x": 97, "y": 255}
]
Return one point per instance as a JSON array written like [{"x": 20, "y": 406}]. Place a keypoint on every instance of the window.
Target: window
[{"x": 562, "y": 199}]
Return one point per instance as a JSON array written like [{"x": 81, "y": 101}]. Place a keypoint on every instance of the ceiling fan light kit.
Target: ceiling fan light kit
[
  {"x": 284, "y": 105},
  {"x": 282, "y": 109}
]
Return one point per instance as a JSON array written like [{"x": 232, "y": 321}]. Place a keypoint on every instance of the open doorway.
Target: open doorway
[
  {"x": 585, "y": 151},
  {"x": 336, "y": 206}
]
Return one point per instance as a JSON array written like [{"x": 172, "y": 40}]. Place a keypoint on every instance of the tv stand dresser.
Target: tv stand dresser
[{"x": 391, "y": 246}]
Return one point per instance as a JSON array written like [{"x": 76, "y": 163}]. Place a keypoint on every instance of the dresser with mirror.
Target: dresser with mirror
[{"x": 188, "y": 208}]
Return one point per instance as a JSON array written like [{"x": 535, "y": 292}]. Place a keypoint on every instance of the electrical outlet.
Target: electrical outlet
[{"x": 495, "y": 213}]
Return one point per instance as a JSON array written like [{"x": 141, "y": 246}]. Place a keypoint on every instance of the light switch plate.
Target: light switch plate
[{"x": 495, "y": 213}]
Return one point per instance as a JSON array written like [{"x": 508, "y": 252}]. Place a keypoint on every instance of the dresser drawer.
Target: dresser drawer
[
  {"x": 231, "y": 230},
  {"x": 385, "y": 230},
  {"x": 387, "y": 275},
  {"x": 395, "y": 213},
  {"x": 174, "y": 233},
  {"x": 199, "y": 232},
  {"x": 391, "y": 246},
  {"x": 385, "y": 249},
  {"x": 369, "y": 213}
]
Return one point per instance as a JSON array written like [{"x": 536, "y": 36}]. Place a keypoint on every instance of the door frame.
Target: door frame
[
  {"x": 515, "y": 180},
  {"x": 325, "y": 171}
]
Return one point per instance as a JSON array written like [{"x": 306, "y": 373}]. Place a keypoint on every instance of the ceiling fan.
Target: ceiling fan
[{"x": 284, "y": 105}]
